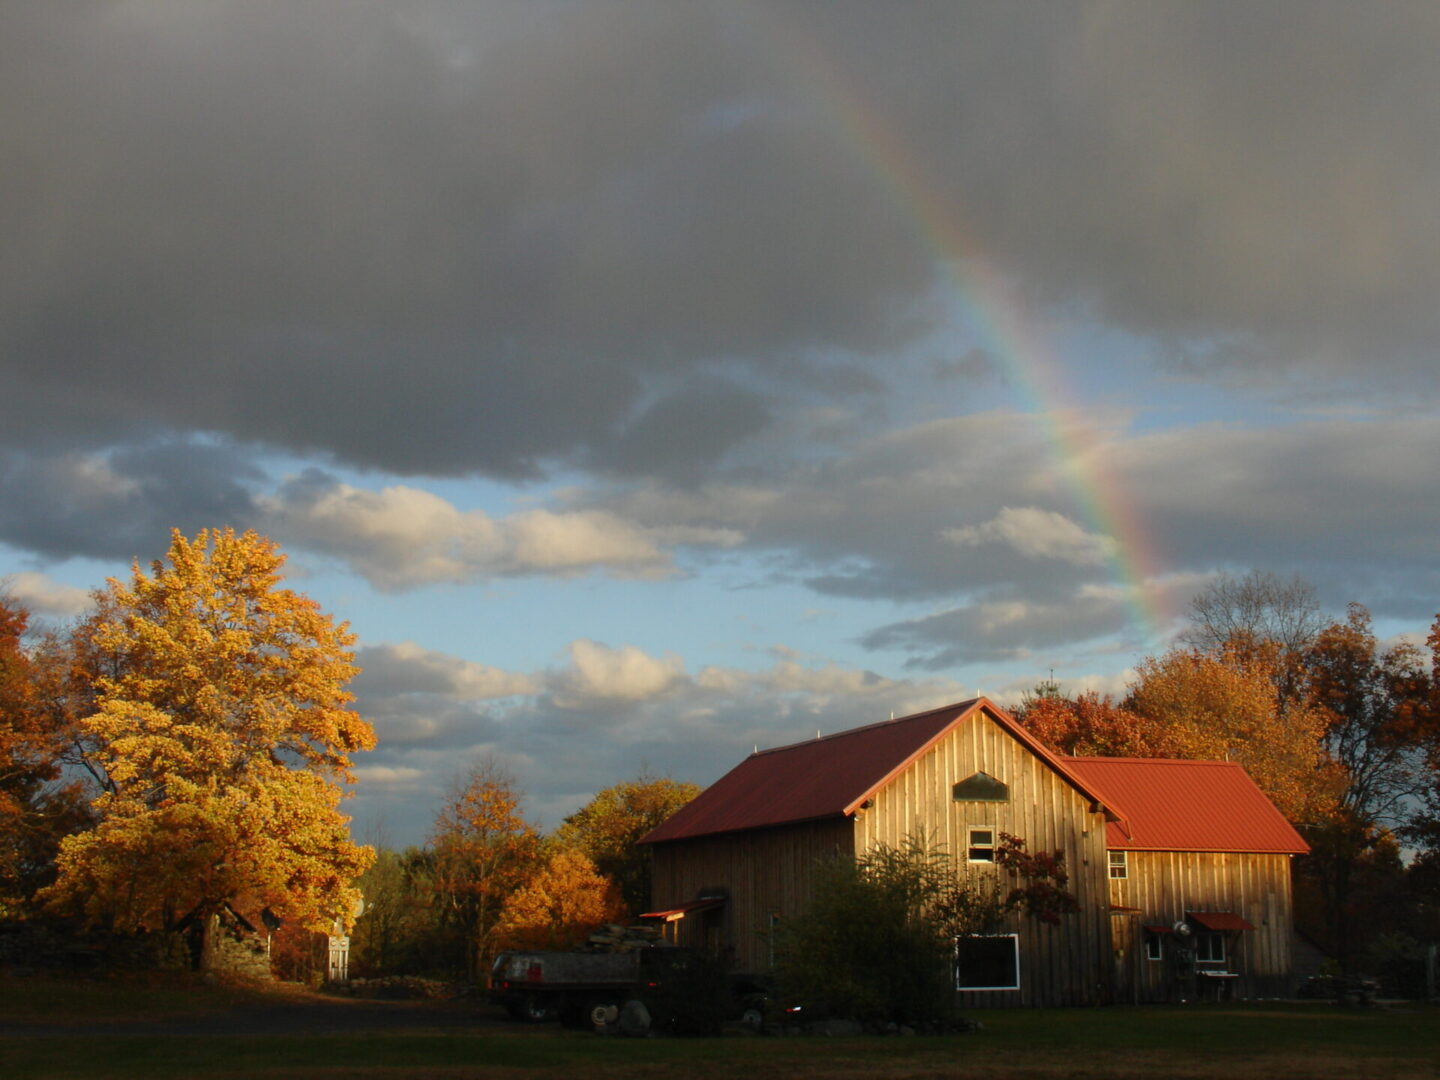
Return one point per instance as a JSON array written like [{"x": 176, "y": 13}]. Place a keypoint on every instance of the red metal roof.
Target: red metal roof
[
  {"x": 1219, "y": 920},
  {"x": 679, "y": 911},
  {"x": 1171, "y": 805},
  {"x": 830, "y": 776}
]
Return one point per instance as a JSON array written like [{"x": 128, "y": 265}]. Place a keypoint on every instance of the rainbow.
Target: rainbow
[{"x": 989, "y": 306}]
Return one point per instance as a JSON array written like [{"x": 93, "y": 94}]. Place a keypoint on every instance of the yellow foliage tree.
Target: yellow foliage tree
[
  {"x": 559, "y": 905},
  {"x": 219, "y": 734},
  {"x": 1229, "y": 705}
]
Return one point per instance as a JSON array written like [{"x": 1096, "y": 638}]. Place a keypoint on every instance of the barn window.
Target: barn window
[
  {"x": 1118, "y": 867},
  {"x": 987, "y": 962},
  {"x": 1154, "y": 947},
  {"x": 1209, "y": 948},
  {"x": 981, "y": 787},
  {"x": 982, "y": 845}
]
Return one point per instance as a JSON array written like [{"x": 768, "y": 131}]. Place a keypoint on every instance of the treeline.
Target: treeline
[
  {"x": 1341, "y": 730},
  {"x": 488, "y": 880}
]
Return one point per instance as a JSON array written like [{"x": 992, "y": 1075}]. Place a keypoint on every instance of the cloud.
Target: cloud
[
  {"x": 447, "y": 240},
  {"x": 404, "y": 537},
  {"x": 1038, "y": 534},
  {"x": 599, "y": 675},
  {"x": 1003, "y": 628},
  {"x": 406, "y": 668},
  {"x": 39, "y": 595}
]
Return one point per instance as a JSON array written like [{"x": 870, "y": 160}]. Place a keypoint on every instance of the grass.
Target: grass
[{"x": 1215, "y": 1042}]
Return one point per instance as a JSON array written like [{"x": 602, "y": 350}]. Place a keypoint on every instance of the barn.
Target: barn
[{"x": 1181, "y": 869}]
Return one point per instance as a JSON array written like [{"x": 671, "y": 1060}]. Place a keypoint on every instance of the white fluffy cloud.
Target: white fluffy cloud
[
  {"x": 404, "y": 537},
  {"x": 1038, "y": 534},
  {"x": 38, "y": 594},
  {"x": 599, "y": 674}
]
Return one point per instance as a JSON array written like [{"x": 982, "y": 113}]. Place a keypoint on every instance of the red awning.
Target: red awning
[
  {"x": 1219, "y": 920},
  {"x": 1159, "y": 929},
  {"x": 679, "y": 911}
]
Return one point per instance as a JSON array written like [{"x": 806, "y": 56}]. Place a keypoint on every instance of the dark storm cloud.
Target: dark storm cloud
[
  {"x": 121, "y": 505},
  {"x": 443, "y": 239}
]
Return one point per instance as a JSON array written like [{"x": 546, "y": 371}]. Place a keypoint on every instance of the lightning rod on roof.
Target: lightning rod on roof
[{"x": 817, "y": 733}]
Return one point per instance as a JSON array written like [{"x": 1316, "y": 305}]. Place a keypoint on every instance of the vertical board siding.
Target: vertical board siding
[
  {"x": 1166, "y": 885},
  {"x": 1069, "y": 964},
  {"x": 760, "y": 871}
]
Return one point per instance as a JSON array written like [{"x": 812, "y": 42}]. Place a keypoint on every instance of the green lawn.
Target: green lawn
[{"x": 1223, "y": 1042}]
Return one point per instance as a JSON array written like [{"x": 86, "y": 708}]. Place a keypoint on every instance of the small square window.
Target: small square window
[
  {"x": 1119, "y": 868},
  {"x": 982, "y": 845}
]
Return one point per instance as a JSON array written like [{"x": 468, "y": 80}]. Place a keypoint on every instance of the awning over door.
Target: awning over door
[
  {"x": 1219, "y": 920},
  {"x": 679, "y": 911}
]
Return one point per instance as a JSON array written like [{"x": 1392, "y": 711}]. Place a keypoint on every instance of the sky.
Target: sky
[{"x": 647, "y": 382}]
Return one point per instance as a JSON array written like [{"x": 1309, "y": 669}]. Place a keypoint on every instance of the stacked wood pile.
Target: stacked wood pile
[{"x": 617, "y": 938}]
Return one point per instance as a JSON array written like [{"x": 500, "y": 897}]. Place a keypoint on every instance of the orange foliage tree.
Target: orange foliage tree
[
  {"x": 1229, "y": 705},
  {"x": 36, "y": 807},
  {"x": 558, "y": 905},
  {"x": 483, "y": 850},
  {"x": 219, "y": 732},
  {"x": 608, "y": 829},
  {"x": 1094, "y": 726}
]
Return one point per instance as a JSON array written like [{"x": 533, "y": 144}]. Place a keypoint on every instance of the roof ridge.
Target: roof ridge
[
  {"x": 1150, "y": 760},
  {"x": 958, "y": 706}
]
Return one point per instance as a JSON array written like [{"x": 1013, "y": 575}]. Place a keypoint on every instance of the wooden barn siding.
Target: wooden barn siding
[
  {"x": 1165, "y": 885},
  {"x": 1069, "y": 964},
  {"x": 762, "y": 871}
]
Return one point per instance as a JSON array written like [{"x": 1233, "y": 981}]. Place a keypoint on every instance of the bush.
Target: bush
[{"x": 876, "y": 944}]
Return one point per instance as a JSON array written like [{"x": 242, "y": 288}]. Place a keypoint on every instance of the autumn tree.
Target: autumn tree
[
  {"x": 558, "y": 905},
  {"x": 37, "y": 807},
  {"x": 1094, "y": 726},
  {"x": 482, "y": 851},
  {"x": 219, "y": 734},
  {"x": 1376, "y": 706},
  {"x": 608, "y": 829},
  {"x": 1230, "y": 706}
]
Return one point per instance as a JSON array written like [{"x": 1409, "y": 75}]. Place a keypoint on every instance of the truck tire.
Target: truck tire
[
  {"x": 536, "y": 1009},
  {"x": 602, "y": 1013},
  {"x": 634, "y": 1018}
]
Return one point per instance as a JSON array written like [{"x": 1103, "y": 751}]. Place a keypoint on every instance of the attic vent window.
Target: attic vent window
[{"x": 982, "y": 787}]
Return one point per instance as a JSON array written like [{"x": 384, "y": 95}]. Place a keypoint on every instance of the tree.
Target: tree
[
  {"x": 559, "y": 905},
  {"x": 1259, "y": 607},
  {"x": 1094, "y": 726},
  {"x": 1230, "y": 706},
  {"x": 483, "y": 850},
  {"x": 36, "y": 807},
  {"x": 608, "y": 829},
  {"x": 1375, "y": 705},
  {"x": 219, "y": 735}
]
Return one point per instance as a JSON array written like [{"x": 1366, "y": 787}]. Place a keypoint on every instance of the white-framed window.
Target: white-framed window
[
  {"x": 987, "y": 962},
  {"x": 1119, "y": 868},
  {"x": 982, "y": 845},
  {"x": 1209, "y": 947},
  {"x": 1154, "y": 947}
]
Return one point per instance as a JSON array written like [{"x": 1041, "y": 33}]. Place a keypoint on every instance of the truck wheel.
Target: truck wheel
[
  {"x": 536, "y": 1009},
  {"x": 602, "y": 1013},
  {"x": 634, "y": 1018}
]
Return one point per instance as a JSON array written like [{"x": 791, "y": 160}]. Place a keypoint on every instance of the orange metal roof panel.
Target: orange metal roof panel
[{"x": 1172, "y": 805}]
